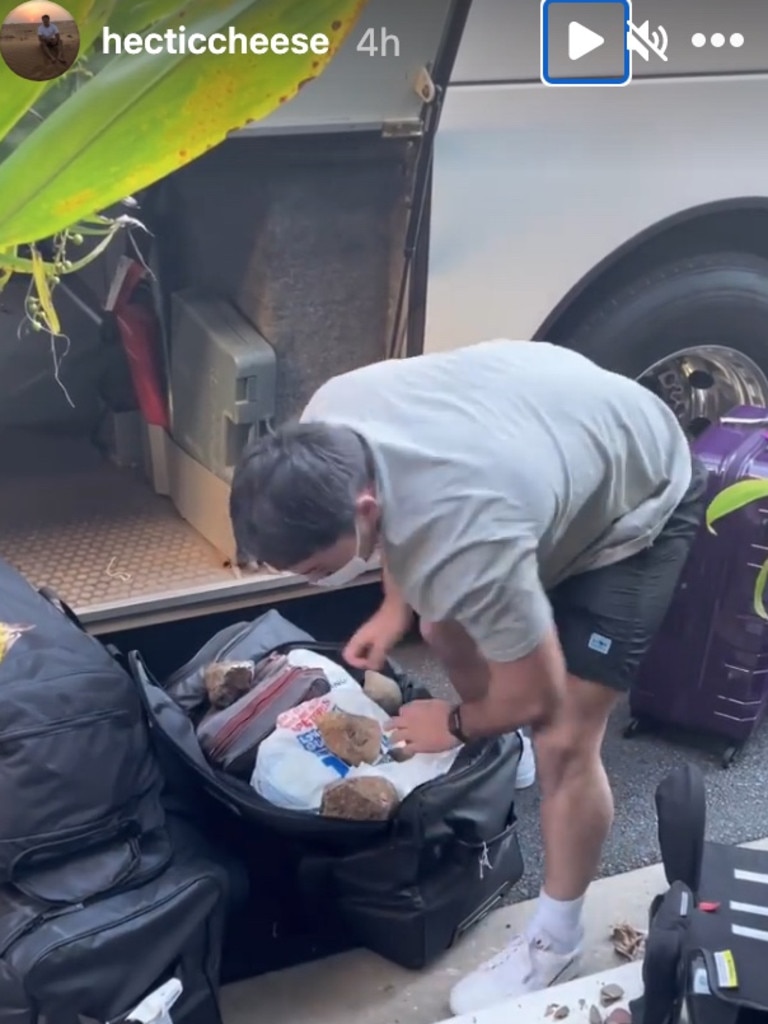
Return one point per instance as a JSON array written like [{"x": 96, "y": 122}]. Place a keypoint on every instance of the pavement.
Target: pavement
[{"x": 361, "y": 988}]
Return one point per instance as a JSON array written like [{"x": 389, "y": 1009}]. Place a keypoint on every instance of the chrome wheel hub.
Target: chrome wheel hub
[{"x": 701, "y": 384}]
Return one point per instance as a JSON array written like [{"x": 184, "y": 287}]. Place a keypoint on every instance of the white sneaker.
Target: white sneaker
[
  {"x": 522, "y": 967},
  {"x": 526, "y": 769}
]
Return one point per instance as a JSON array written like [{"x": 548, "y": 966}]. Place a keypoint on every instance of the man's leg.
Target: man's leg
[
  {"x": 576, "y": 801},
  {"x": 606, "y": 620}
]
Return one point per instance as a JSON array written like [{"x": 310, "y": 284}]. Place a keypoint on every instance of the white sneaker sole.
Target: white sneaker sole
[{"x": 568, "y": 973}]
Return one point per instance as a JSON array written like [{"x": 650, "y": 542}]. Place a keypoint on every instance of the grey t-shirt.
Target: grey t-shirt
[{"x": 504, "y": 468}]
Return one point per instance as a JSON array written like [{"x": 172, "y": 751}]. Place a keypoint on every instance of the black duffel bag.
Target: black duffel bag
[
  {"x": 407, "y": 887},
  {"x": 96, "y": 961},
  {"x": 77, "y": 773}
]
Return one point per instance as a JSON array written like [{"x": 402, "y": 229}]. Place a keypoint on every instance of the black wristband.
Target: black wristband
[{"x": 454, "y": 725}]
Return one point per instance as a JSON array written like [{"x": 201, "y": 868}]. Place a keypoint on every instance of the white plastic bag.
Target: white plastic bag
[
  {"x": 334, "y": 673},
  {"x": 293, "y": 765}
]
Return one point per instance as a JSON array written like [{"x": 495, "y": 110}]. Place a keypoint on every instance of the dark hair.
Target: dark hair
[{"x": 294, "y": 492}]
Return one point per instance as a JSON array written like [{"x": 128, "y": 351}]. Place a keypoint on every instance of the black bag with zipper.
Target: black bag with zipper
[
  {"x": 407, "y": 887},
  {"x": 63, "y": 963},
  {"x": 77, "y": 773}
]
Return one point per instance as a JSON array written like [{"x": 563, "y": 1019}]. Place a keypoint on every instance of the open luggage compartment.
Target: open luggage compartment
[
  {"x": 304, "y": 225},
  {"x": 98, "y": 533}
]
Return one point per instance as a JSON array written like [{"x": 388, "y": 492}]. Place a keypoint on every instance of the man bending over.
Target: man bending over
[{"x": 535, "y": 510}]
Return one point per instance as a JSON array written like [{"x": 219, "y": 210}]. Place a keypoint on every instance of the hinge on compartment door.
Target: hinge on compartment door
[{"x": 412, "y": 127}]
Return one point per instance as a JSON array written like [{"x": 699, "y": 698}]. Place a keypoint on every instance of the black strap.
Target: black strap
[
  {"x": 681, "y": 806},
  {"x": 53, "y": 598}
]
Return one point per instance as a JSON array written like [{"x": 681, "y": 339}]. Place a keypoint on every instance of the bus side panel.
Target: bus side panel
[{"x": 535, "y": 186}]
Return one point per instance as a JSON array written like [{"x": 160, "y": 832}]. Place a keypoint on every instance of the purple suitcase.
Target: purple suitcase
[{"x": 707, "y": 670}]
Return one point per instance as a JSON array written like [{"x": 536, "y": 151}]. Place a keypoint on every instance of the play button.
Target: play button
[{"x": 582, "y": 40}]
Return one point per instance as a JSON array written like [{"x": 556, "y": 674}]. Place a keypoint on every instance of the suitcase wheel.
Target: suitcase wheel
[
  {"x": 636, "y": 726},
  {"x": 729, "y": 756}
]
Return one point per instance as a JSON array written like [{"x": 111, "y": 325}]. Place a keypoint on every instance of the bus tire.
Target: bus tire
[{"x": 694, "y": 331}]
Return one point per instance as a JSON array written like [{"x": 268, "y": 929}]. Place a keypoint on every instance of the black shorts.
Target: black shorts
[{"x": 607, "y": 618}]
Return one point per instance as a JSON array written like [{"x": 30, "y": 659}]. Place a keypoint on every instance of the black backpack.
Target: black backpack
[{"x": 77, "y": 772}]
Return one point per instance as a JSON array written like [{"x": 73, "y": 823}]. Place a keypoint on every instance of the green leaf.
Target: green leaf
[
  {"x": 732, "y": 498},
  {"x": 757, "y": 600},
  {"x": 135, "y": 17},
  {"x": 17, "y": 95},
  {"x": 144, "y": 116}
]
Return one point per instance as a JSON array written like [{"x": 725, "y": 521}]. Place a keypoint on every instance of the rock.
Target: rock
[
  {"x": 610, "y": 994},
  {"x": 628, "y": 942},
  {"x": 595, "y": 1017},
  {"x": 364, "y": 799},
  {"x": 354, "y": 739},
  {"x": 227, "y": 681},
  {"x": 619, "y": 1016},
  {"x": 561, "y": 1013},
  {"x": 383, "y": 691}
]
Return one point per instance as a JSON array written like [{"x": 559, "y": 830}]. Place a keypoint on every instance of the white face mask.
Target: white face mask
[{"x": 356, "y": 566}]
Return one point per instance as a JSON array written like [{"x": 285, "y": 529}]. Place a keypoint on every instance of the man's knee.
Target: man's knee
[
  {"x": 571, "y": 747},
  {"x": 562, "y": 751}
]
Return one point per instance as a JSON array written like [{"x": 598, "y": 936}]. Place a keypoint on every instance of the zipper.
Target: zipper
[
  {"x": 273, "y": 689},
  {"x": 47, "y": 950},
  {"x": 61, "y": 726},
  {"x": 42, "y": 917},
  {"x": 101, "y": 829}
]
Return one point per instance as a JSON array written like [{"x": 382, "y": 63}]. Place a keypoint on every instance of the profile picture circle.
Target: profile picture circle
[{"x": 39, "y": 41}]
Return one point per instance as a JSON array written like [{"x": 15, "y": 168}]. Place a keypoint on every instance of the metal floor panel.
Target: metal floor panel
[
  {"x": 120, "y": 555},
  {"x": 97, "y": 534}
]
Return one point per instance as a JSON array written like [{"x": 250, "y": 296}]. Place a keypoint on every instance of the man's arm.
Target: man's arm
[
  {"x": 393, "y": 598},
  {"x": 523, "y": 692},
  {"x": 491, "y": 587}
]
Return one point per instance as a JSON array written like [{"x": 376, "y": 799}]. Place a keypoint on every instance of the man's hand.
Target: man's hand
[
  {"x": 370, "y": 645},
  {"x": 422, "y": 727}
]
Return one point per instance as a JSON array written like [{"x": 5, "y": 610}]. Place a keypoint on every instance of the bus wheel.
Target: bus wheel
[{"x": 695, "y": 332}]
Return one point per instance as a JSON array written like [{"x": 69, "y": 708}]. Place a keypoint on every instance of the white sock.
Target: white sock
[{"x": 557, "y": 923}]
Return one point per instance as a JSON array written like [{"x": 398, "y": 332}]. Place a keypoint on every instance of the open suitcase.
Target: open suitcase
[
  {"x": 707, "y": 670},
  {"x": 407, "y": 888}
]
